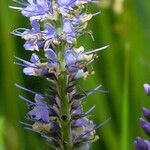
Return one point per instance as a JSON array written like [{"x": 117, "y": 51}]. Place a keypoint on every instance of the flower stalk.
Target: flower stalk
[
  {"x": 65, "y": 112},
  {"x": 58, "y": 114}
]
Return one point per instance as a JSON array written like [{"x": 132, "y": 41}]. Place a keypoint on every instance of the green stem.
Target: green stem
[
  {"x": 125, "y": 108},
  {"x": 64, "y": 99},
  {"x": 65, "y": 112},
  {"x": 65, "y": 105},
  {"x": 125, "y": 104}
]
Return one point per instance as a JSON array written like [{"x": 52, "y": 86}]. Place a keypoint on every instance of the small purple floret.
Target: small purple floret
[
  {"x": 146, "y": 113},
  {"x": 147, "y": 88},
  {"x": 142, "y": 144}
]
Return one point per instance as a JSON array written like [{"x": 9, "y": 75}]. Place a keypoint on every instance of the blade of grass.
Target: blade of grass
[
  {"x": 9, "y": 74},
  {"x": 125, "y": 103},
  {"x": 2, "y": 129}
]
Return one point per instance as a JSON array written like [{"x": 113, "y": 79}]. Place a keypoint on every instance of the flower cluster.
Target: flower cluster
[
  {"x": 140, "y": 143},
  {"x": 58, "y": 115}
]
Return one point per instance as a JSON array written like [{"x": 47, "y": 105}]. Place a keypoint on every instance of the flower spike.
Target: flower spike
[
  {"x": 140, "y": 143},
  {"x": 58, "y": 114}
]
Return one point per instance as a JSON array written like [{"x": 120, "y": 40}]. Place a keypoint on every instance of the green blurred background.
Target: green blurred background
[{"x": 121, "y": 69}]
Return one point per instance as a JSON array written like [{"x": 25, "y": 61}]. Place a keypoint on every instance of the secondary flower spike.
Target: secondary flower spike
[
  {"x": 140, "y": 143},
  {"x": 58, "y": 114}
]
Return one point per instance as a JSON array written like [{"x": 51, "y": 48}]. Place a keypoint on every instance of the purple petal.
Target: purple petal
[
  {"x": 142, "y": 122},
  {"x": 29, "y": 71},
  {"x": 41, "y": 111},
  {"x": 146, "y": 128},
  {"x": 69, "y": 57},
  {"x": 68, "y": 27},
  {"x": 148, "y": 144},
  {"x": 66, "y": 3},
  {"x": 35, "y": 25},
  {"x": 31, "y": 1},
  {"x": 25, "y": 89},
  {"x": 40, "y": 44},
  {"x": 79, "y": 74},
  {"x": 50, "y": 54},
  {"x": 29, "y": 45},
  {"x": 34, "y": 58},
  {"x": 140, "y": 144},
  {"x": 38, "y": 97},
  {"x": 37, "y": 8},
  {"x": 146, "y": 113},
  {"x": 147, "y": 88},
  {"x": 51, "y": 32}
]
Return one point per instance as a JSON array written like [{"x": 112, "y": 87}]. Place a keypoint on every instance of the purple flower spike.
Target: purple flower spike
[
  {"x": 58, "y": 114},
  {"x": 141, "y": 144}
]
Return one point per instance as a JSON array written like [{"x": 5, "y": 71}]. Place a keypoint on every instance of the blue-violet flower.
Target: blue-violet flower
[
  {"x": 140, "y": 143},
  {"x": 58, "y": 115}
]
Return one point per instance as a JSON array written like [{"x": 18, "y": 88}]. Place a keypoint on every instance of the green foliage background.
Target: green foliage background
[{"x": 122, "y": 69}]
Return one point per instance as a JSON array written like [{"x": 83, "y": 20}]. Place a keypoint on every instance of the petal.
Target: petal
[
  {"x": 35, "y": 25},
  {"x": 146, "y": 128},
  {"x": 79, "y": 74},
  {"x": 50, "y": 28},
  {"x": 146, "y": 113},
  {"x": 50, "y": 54},
  {"x": 140, "y": 144},
  {"x": 38, "y": 97},
  {"x": 67, "y": 27},
  {"x": 29, "y": 45},
  {"x": 69, "y": 57},
  {"x": 29, "y": 71},
  {"x": 34, "y": 58},
  {"x": 147, "y": 88}
]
